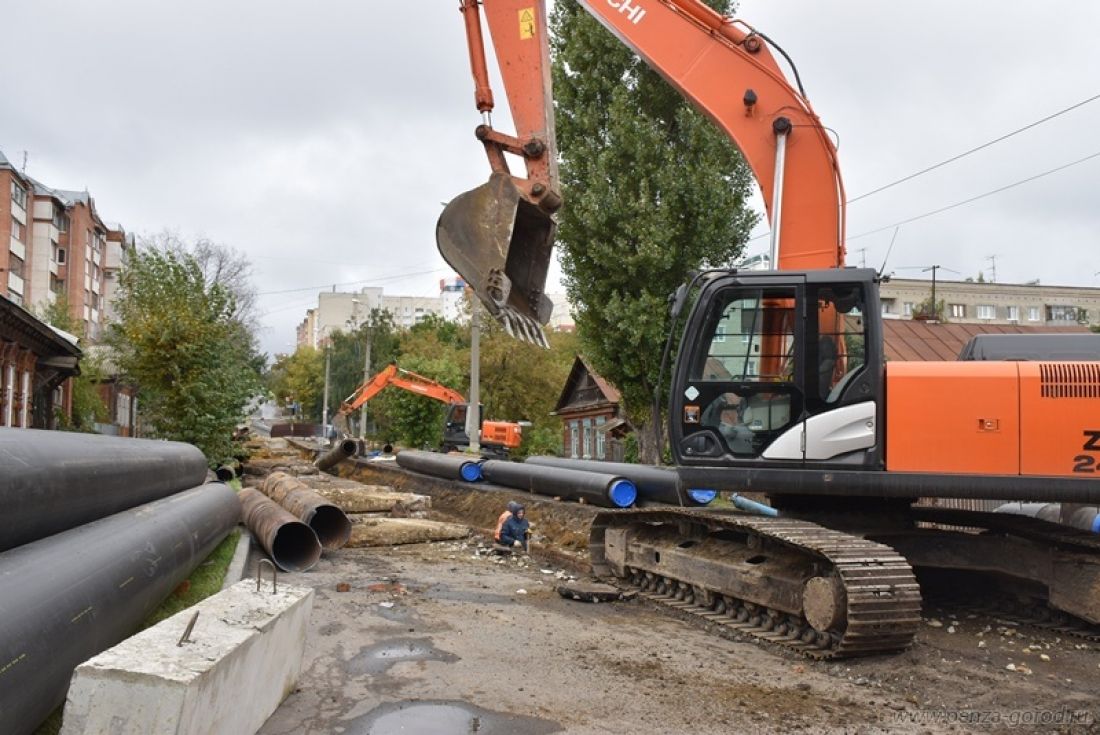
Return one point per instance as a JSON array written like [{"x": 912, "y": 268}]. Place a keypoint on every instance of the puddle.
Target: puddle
[
  {"x": 445, "y": 718},
  {"x": 331, "y": 628},
  {"x": 377, "y": 659}
]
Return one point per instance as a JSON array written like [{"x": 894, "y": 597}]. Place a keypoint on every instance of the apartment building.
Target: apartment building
[
  {"x": 119, "y": 244},
  {"x": 57, "y": 245},
  {"x": 16, "y": 198},
  {"x": 971, "y": 302},
  {"x": 343, "y": 311}
]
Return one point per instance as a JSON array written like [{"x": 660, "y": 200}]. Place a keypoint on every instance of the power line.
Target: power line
[
  {"x": 975, "y": 198},
  {"x": 380, "y": 279},
  {"x": 964, "y": 154}
]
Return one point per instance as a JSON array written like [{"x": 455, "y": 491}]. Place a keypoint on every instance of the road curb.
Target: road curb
[{"x": 236, "y": 570}]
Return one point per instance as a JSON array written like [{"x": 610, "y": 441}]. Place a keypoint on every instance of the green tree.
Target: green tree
[
  {"x": 926, "y": 311},
  {"x": 88, "y": 406},
  {"x": 299, "y": 378},
  {"x": 652, "y": 190},
  {"x": 177, "y": 336},
  {"x": 348, "y": 353}
]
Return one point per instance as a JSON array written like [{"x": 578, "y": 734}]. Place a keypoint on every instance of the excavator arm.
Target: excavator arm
[
  {"x": 499, "y": 236},
  {"x": 404, "y": 379}
]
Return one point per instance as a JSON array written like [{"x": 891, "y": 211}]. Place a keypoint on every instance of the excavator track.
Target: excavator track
[
  {"x": 818, "y": 591},
  {"x": 1062, "y": 547}
]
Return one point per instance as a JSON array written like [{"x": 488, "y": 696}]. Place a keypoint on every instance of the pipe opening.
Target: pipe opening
[
  {"x": 225, "y": 473},
  {"x": 702, "y": 496},
  {"x": 295, "y": 547},
  {"x": 332, "y": 527},
  {"x": 623, "y": 493},
  {"x": 470, "y": 472},
  {"x": 349, "y": 447}
]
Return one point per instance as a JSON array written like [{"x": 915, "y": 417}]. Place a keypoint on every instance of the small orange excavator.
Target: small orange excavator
[{"x": 498, "y": 438}]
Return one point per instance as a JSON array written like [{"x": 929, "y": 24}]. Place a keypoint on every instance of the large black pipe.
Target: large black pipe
[
  {"x": 878, "y": 484},
  {"x": 607, "y": 490},
  {"x": 65, "y": 598},
  {"x": 659, "y": 484},
  {"x": 450, "y": 466},
  {"x": 291, "y": 544},
  {"x": 342, "y": 450},
  {"x": 51, "y": 481}
]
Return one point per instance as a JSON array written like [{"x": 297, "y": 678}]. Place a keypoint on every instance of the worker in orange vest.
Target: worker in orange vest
[{"x": 513, "y": 506}]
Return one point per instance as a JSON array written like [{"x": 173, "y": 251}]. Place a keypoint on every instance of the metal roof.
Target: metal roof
[{"x": 913, "y": 340}]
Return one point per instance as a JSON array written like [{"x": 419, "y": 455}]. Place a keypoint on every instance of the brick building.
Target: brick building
[{"x": 36, "y": 361}]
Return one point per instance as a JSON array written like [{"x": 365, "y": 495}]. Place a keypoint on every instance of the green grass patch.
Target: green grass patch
[
  {"x": 206, "y": 580},
  {"x": 235, "y": 483}
]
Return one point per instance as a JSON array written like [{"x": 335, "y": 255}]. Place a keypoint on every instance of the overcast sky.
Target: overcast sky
[{"x": 320, "y": 139}]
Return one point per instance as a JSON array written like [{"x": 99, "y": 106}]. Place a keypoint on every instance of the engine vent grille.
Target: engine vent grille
[{"x": 1070, "y": 380}]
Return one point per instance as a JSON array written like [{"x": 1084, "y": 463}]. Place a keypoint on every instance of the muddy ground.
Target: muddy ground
[
  {"x": 447, "y": 638},
  {"x": 439, "y": 638}
]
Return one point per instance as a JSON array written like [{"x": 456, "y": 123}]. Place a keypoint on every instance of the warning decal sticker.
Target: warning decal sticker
[{"x": 527, "y": 23}]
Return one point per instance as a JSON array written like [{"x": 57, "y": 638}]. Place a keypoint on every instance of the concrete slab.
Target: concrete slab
[
  {"x": 243, "y": 658},
  {"x": 374, "y": 531}
]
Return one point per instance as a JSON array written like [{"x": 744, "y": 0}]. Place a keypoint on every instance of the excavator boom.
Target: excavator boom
[
  {"x": 499, "y": 237},
  {"x": 404, "y": 379}
]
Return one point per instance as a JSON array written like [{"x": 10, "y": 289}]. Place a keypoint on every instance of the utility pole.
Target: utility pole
[
  {"x": 935, "y": 308},
  {"x": 324, "y": 410},
  {"x": 473, "y": 404},
  {"x": 366, "y": 377}
]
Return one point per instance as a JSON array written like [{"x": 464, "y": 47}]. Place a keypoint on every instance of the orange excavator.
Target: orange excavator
[
  {"x": 781, "y": 386},
  {"x": 498, "y": 438}
]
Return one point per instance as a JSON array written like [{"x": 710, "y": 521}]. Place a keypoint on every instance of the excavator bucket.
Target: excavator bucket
[{"x": 500, "y": 244}]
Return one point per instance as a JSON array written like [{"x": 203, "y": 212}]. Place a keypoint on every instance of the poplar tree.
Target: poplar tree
[{"x": 652, "y": 190}]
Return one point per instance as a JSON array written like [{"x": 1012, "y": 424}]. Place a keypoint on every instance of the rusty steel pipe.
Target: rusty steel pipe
[
  {"x": 291, "y": 544},
  {"x": 331, "y": 524},
  {"x": 343, "y": 450},
  {"x": 51, "y": 481},
  {"x": 70, "y": 596}
]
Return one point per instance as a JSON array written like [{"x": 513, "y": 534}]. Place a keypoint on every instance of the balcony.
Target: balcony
[
  {"x": 18, "y": 248},
  {"x": 15, "y": 283}
]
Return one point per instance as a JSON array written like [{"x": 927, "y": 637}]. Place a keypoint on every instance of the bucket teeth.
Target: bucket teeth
[{"x": 522, "y": 327}]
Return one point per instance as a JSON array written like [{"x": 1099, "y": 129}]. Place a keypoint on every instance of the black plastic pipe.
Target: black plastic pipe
[
  {"x": 51, "y": 481},
  {"x": 882, "y": 484},
  {"x": 227, "y": 472},
  {"x": 291, "y": 544},
  {"x": 331, "y": 524},
  {"x": 68, "y": 597},
  {"x": 449, "y": 466},
  {"x": 658, "y": 484},
  {"x": 606, "y": 490},
  {"x": 336, "y": 455}
]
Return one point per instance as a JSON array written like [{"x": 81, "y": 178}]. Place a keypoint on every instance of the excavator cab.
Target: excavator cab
[
  {"x": 780, "y": 369},
  {"x": 500, "y": 243}
]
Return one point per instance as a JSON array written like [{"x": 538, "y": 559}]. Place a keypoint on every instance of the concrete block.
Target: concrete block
[
  {"x": 374, "y": 531},
  {"x": 243, "y": 658}
]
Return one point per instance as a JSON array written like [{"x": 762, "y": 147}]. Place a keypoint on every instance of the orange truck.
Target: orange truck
[
  {"x": 780, "y": 386},
  {"x": 498, "y": 438}
]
